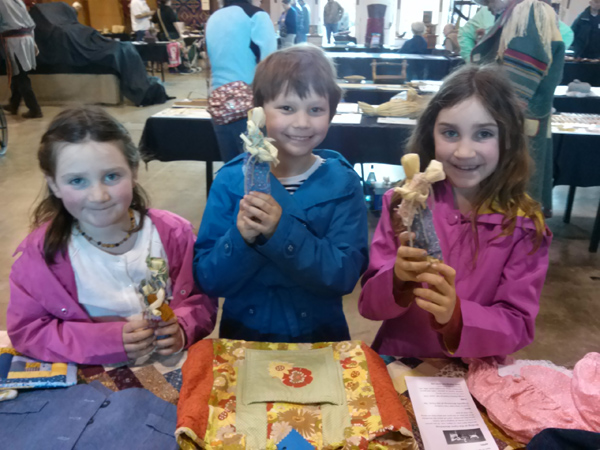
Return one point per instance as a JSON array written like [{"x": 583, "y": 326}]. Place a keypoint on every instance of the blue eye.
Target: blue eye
[
  {"x": 485, "y": 134},
  {"x": 112, "y": 177},
  {"x": 451, "y": 134},
  {"x": 76, "y": 182}
]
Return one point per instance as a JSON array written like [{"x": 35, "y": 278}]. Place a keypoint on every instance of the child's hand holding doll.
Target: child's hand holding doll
[
  {"x": 439, "y": 297},
  {"x": 171, "y": 337},
  {"x": 138, "y": 339},
  {"x": 263, "y": 212},
  {"x": 415, "y": 264}
]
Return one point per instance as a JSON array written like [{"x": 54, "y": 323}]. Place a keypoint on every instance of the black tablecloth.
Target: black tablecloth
[
  {"x": 156, "y": 53},
  {"x": 588, "y": 72},
  {"x": 584, "y": 105},
  {"x": 423, "y": 67},
  {"x": 576, "y": 163},
  {"x": 177, "y": 139}
]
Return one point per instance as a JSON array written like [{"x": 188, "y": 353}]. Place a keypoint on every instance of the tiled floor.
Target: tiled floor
[{"x": 567, "y": 326}]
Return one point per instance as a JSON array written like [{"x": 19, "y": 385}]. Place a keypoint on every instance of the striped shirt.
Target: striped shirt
[{"x": 291, "y": 184}]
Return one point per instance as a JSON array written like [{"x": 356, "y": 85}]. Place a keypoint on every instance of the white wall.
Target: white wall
[{"x": 576, "y": 7}]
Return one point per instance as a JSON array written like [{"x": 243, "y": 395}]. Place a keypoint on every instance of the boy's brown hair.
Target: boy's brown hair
[{"x": 300, "y": 69}]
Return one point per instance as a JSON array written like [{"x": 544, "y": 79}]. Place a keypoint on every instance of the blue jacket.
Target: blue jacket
[{"x": 289, "y": 288}]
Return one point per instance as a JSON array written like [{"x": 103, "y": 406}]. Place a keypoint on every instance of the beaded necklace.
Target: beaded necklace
[{"x": 102, "y": 244}]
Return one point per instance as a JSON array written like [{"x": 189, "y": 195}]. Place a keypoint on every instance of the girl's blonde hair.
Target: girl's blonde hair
[
  {"x": 504, "y": 191},
  {"x": 74, "y": 126}
]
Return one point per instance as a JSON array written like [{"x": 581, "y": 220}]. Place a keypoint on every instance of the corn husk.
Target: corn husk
[{"x": 411, "y": 107}]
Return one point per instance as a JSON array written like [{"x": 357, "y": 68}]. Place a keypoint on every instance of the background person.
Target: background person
[
  {"x": 140, "y": 18},
  {"x": 332, "y": 14},
  {"x": 20, "y": 51},
  {"x": 228, "y": 32},
  {"x": 587, "y": 32}
]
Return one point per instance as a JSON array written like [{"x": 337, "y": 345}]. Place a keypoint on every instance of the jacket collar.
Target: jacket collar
[
  {"x": 326, "y": 181},
  {"x": 444, "y": 195}
]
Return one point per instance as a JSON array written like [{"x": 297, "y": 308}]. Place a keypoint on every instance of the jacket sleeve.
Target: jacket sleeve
[
  {"x": 262, "y": 33},
  {"x": 195, "y": 311},
  {"x": 36, "y": 331},
  {"x": 329, "y": 266},
  {"x": 508, "y": 323},
  {"x": 578, "y": 42},
  {"x": 527, "y": 60},
  {"x": 483, "y": 19},
  {"x": 223, "y": 262},
  {"x": 376, "y": 301}
]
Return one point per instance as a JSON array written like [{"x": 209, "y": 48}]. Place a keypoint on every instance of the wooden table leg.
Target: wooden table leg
[
  {"x": 595, "y": 233},
  {"x": 570, "y": 199}
]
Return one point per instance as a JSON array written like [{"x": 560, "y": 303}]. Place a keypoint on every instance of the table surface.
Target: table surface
[{"x": 390, "y": 56}]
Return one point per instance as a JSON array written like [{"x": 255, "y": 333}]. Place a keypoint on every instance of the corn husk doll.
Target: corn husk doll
[
  {"x": 260, "y": 154},
  {"x": 413, "y": 210},
  {"x": 154, "y": 291}
]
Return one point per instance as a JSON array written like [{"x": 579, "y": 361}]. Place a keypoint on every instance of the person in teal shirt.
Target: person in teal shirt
[{"x": 483, "y": 20}]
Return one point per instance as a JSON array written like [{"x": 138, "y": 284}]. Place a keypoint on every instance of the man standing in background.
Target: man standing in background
[
  {"x": 303, "y": 29},
  {"x": 331, "y": 16},
  {"x": 587, "y": 32},
  {"x": 140, "y": 18},
  {"x": 18, "y": 45}
]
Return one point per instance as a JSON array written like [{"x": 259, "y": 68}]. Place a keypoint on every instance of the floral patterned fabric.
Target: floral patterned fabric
[{"x": 207, "y": 416}]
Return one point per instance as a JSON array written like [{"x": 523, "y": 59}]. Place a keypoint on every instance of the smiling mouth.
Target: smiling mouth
[
  {"x": 298, "y": 138},
  {"x": 470, "y": 168}
]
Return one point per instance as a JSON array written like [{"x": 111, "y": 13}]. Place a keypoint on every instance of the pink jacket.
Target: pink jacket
[
  {"x": 46, "y": 321},
  {"x": 499, "y": 297}
]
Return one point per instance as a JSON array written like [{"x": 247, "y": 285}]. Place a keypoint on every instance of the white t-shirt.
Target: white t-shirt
[
  {"x": 138, "y": 7},
  {"x": 107, "y": 285}
]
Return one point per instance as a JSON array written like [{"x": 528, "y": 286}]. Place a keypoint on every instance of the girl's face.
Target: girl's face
[
  {"x": 297, "y": 124},
  {"x": 95, "y": 183},
  {"x": 467, "y": 144}
]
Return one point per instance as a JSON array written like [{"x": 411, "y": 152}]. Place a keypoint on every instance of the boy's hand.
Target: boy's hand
[
  {"x": 173, "y": 342},
  {"x": 264, "y": 212},
  {"x": 244, "y": 224},
  {"x": 410, "y": 261},
  {"x": 138, "y": 339},
  {"x": 440, "y": 298}
]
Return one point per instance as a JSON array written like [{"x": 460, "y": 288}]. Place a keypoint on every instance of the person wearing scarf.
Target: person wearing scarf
[{"x": 526, "y": 41}]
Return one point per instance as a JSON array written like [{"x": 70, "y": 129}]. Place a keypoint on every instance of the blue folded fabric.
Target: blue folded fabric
[
  {"x": 559, "y": 439},
  {"x": 88, "y": 416}
]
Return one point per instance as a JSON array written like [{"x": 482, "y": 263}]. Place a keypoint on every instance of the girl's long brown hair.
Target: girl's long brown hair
[
  {"x": 74, "y": 126},
  {"x": 504, "y": 191}
]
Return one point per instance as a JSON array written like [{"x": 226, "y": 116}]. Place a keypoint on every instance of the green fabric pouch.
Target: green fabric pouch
[{"x": 301, "y": 376}]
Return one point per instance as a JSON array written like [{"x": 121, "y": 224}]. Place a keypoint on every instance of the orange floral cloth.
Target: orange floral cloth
[{"x": 207, "y": 406}]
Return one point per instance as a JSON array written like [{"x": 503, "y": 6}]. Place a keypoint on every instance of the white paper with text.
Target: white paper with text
[{"x": 447, "y": 416}]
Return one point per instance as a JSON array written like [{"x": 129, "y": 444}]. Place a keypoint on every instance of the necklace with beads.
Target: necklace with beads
[{"x": 102, "y": 244}]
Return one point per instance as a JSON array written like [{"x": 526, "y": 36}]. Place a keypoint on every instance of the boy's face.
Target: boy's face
[{"x": 297, "y": 125}]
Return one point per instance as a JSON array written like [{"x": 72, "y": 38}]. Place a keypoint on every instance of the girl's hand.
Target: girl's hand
[
  {"x": 410, "y": 261},
  {"x": 440, "y": 298},
  {"x": 244, "y": 224},
  {"x": 138, "y": 339},
  {"x": 173, "y": 342},
  {"x": 264, "y": 212}
]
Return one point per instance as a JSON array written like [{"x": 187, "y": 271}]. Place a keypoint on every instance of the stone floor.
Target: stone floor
[{"x": 567, "y": 326}]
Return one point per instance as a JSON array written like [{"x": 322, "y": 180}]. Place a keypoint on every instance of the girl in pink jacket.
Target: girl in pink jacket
[
  {"x": 95, "y": 275},
  {"x": 483, "y": 298}
]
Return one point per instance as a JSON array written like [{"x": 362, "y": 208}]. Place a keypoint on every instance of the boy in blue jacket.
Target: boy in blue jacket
[{"x": 283, "y": 261}]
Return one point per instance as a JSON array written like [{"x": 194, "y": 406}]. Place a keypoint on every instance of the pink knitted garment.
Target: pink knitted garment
[{"x": 541, "y": 398}]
